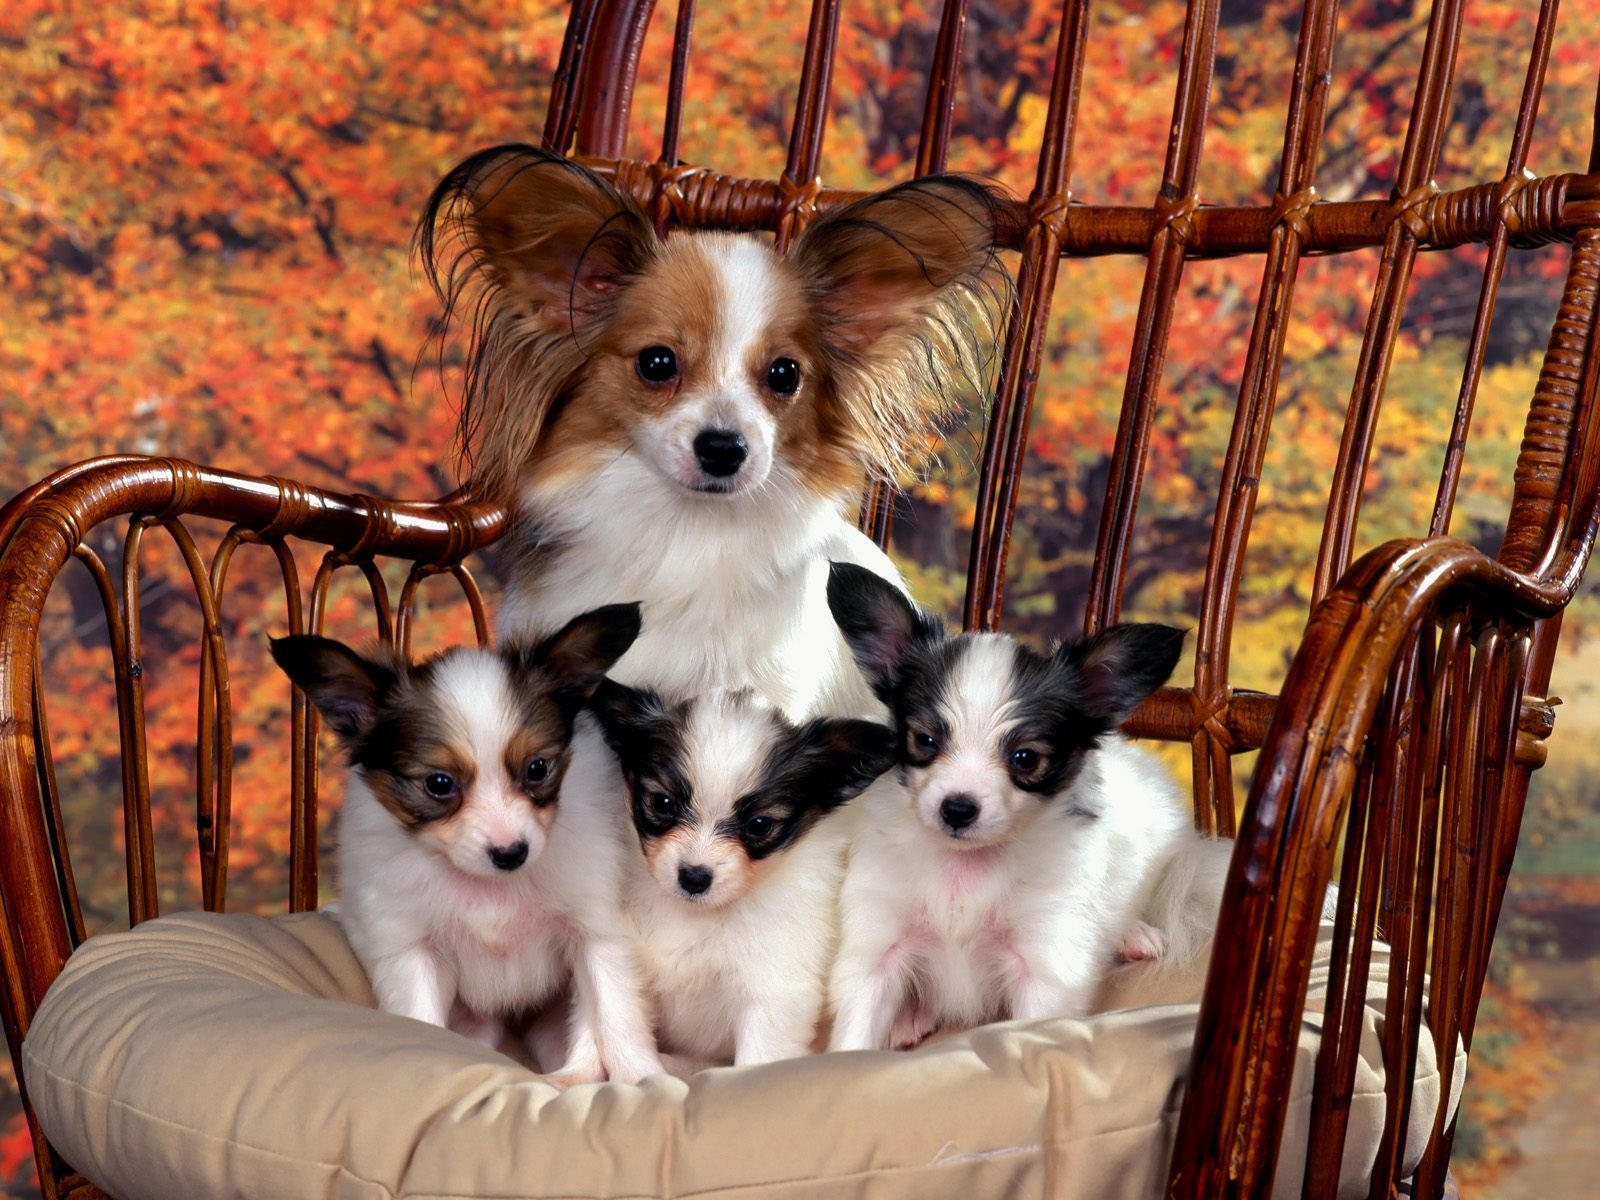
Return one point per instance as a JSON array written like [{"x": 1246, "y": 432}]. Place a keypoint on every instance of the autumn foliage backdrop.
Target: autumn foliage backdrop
[{"x": 204, "y": 218}]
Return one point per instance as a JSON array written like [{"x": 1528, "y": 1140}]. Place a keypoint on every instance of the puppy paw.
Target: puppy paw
[
  {"x": 631, "y": 1068},
  {"x": 911, "y": 1028},
  {"x": 1141, "y": 943}
]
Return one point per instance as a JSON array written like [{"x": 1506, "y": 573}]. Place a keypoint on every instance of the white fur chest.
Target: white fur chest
[
  {"x": 691, "y": 964},
  {"x": 762, "y": 958},
  {"x": 963, "y": 934},
  {"x": 507, "y": 947},
  {"x": 506, "y": 942},
  {"x": 733, "y": 589}
]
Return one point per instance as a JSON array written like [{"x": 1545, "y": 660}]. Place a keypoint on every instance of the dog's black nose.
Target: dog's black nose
[
  {"x": 509, "y": 858},
  {"x": 958, "y": 812},
  {"x": 694, "y": 880},
  {"x": 720, "y": 451}
]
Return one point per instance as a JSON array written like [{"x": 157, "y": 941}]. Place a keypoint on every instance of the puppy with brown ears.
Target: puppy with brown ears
[
  {"x": 467, "y": 881},
  {"x": 734, "y": 895},
  {"x": 687, "y": 421}
]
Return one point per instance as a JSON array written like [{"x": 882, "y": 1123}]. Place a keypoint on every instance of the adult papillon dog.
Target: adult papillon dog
[{"x": 686, "y": 421}]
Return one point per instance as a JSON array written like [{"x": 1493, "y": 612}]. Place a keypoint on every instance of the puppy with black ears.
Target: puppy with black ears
[
  {"x": 467, "y": 881},
  {"x": 1003, "y": 866},
  {"x": 734, "y": 894}
]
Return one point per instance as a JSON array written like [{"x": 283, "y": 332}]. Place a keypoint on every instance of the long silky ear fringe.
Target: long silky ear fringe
[
  {"x": 514, "y": 370},
  {"x": 902, "y": 398}
]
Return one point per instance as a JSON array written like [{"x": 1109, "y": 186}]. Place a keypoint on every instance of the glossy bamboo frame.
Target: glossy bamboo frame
[{"x": 1409, "y": 722}]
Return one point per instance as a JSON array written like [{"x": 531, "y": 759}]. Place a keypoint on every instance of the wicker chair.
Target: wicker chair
[{"x": 1411, "y": 718}]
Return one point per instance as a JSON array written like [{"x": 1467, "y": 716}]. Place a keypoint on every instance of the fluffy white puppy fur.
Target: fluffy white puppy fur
[
  {"x": 1007, "y": 865},
  {"x": 735, "y": 887},
  {"x": 470, "y": 887}
]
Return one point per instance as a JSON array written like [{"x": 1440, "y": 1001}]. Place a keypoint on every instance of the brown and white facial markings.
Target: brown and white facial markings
[
  {"x": 722, "y": 785},
  {"x": 468, "y": 754},
  {"x": 710, "y": 363},
  {"x": 467, "y": 750},
  {"x": 708, "y": 355},
  {"x": 987, "y": 729}
]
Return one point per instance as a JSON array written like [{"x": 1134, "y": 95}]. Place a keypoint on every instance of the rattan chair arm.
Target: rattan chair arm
[
  {"x": 39, "y": 530},
  {"x": 79, "y": 497},
  {"x": 1247, "y": 1036}
]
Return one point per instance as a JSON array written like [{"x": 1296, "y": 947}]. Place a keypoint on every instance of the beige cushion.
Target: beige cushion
[{"x": 211, "y": 1056}]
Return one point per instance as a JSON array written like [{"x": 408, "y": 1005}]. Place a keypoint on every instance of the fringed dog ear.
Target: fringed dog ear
[
  {"x": 346, "y": 688},
  {"x": 912, "y": 297},
  {"x": 879, "y": 624},
  {"x": 536, "y": 246},
  {"x": 834, "y": 760},
  {"x": 1117, "y": 668},
  {"x": 581, "y": 652}
]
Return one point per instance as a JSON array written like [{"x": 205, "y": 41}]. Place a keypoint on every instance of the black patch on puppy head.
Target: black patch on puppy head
[
  {"x": 1048, "y": 725},
  {"x": 407, "y": 743},
  {"x": 1049, "y": 722},
  {"x": 386, "y": 718},
  {"x": 648, "y": 737},
  {"x": 1067, "y": 702},
  {"x": 809, "y": 771},
  {"x": 883, "y": 628}
]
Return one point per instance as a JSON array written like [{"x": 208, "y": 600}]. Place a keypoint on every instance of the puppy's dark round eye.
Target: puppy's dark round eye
[
  {"x": 657, "y": 364},
  {"x": 663, "y": 806},
  {"x": 759, "y": 826},
  {"x": 783, "y": 376},
  {"x": 1024, "y": 760},
  {"x": 535, "y": 773},
  {"x": 924, "y": 743},
  {"x": 440, "y": 786}
]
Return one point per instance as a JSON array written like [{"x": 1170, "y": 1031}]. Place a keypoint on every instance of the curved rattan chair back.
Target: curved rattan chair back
[{"x": 1410, "y": 719}]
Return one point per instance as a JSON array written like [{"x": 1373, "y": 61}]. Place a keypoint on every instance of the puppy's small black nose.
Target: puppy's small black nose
[
  {"x": 721, "y": 451},
  {"x": 958, "y": 812},
  {"x": 509, "y": 858},
  {"x": 694, "y": 880}
]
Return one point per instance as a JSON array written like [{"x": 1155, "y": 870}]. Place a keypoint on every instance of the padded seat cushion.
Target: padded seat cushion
[{"x": 210, "y": 1056}]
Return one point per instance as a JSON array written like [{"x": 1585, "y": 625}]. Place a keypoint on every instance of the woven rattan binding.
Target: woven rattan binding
[{"x": 1412, "y": 714}]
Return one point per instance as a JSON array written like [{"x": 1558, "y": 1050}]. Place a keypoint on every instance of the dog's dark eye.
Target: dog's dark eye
[
  {"x": 663, "y": 806},
  {"x": 657, "y": 364},
  {"x": 924, "y": 743},
  {"x": 1024, "y": 760},
  {"x": 759, "y": 827},
  {"x": 783, "y": 376},
  {"x": 440, "y": 786},
  {"x": 535, "y": 773}
]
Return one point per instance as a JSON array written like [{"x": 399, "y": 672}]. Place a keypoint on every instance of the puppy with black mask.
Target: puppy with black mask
[
  {"x": 1002, "y": 870},
  {"x": 734, "y": 892}
]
